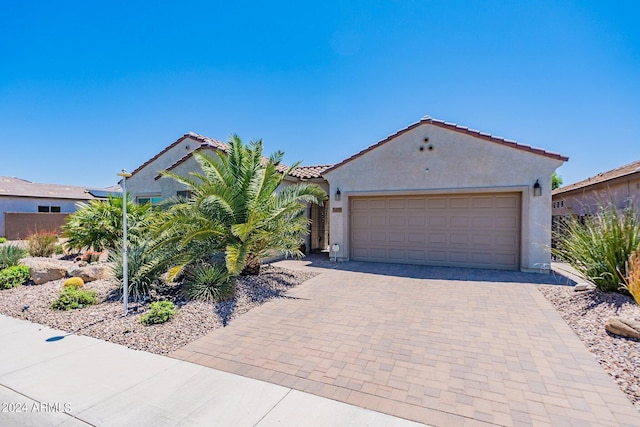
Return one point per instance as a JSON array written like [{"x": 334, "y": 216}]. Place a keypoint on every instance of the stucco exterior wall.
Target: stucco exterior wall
[
  {"x": 144, "y": 183},
  {"x": 449, "y": 162},
  {"x": 26, "y": 204}
]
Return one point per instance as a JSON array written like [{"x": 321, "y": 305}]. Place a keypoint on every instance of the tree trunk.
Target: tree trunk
[{"x": 252, "y": 267}]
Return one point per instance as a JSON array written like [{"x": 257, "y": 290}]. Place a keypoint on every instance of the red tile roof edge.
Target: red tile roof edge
[
  {"x": 309, "y": 172},
  {"x": 619, "y": 172},
  {"x": 207, "y": 145},
  {"x": 457, "y": 128},
  {"x": 191, "y": 135}
]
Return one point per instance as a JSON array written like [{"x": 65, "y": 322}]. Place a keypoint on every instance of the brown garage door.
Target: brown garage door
[{"x": 466, "y": 230}]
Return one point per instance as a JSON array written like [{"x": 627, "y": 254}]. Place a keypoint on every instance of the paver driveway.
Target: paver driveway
[{"x": 441, "y": 346}]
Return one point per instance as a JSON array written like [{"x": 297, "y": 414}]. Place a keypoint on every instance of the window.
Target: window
[
  {"x": 154, "y": 200},
  {"x": 185, "y": 194},
  {"x": 49, "y": 209},
  {"x": 43, "y": 208},
  {"x": 55, "y": 209}
]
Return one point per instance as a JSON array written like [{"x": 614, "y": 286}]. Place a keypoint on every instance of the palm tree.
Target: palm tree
[
  {"x": 239, "y": 210},
  {"x": 98, "y": 224}
]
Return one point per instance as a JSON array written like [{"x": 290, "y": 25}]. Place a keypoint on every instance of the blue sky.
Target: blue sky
[{"x": 88, "y": 88}]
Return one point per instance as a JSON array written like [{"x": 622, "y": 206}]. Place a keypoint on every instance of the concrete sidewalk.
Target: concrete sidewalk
[{"x": 47, "y": 380}]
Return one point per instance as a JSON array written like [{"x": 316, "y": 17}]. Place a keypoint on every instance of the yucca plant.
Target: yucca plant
[
  {"x": 631, "y": 280},
  {"x": 144, "y": 267},
  {"x": 599, "y": 248},
  {"x": 10, "y": 255},
  {"x": 208, "y": 282}
]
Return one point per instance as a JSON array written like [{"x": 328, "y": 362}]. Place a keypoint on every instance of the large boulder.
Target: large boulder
[
  {"x": 91, "y": 272},
  {"x": 623, "y": 327},
  {"x": 45, "y": 270}
]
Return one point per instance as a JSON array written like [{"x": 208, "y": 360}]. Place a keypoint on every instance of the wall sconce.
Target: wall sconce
[
  {"x": 537, "y": 189},
  {"x": 338, "y": 196}
]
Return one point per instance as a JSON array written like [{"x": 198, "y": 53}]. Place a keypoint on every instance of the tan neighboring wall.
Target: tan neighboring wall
[
  {"x": 20, "y": 225},
  {"x": 456, "y": 163}
]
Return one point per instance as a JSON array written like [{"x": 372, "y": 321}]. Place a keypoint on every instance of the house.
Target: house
[
  {"x": 434, "y": 193},
  {"x": 619, "y": 186},
  {"x": 26, "y": 206},
  {"x": 146, "y": 185}
]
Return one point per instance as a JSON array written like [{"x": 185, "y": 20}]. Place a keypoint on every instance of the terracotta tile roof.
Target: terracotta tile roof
[
  {"x": 630, "y": 169},
  {"x": 16, "y": 187},
  {"x": 456, "y": 128},
  {"x": 309, "y": 172}
]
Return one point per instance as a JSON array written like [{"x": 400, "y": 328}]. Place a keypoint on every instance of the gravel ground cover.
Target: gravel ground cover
[
  {"x": 105, "y": 320},
  {"x": 586, "y": 312}
]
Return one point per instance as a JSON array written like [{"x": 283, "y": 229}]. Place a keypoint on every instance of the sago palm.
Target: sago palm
[{"x": 239, "y": 210}]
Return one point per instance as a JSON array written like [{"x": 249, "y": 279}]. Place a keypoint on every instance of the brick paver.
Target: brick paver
[{"x": 441, "y": 346}]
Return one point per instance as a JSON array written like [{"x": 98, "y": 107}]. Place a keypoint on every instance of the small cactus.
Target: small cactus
[{"x": 75, "y": 282}]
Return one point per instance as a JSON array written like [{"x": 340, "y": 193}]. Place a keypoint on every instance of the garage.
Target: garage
[{"x": 458, "y": 230}]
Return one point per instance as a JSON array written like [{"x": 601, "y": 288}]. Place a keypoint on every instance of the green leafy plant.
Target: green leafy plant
[
  {"x": 3, "y": 239},
  {"x": 10, "y": 255},
  {"x": 237, "y": 211},
  {"x": 599, "y": 248},
  {"x": 144, "y": 265},
  {"x": 160, "y": 312},
  {"x": 631, "y": 280},
  {"x": 14, "y": 276},
  {"x": 71, "y": 297},
  {"x": 98, "y": 224},
  {"x": 42, "y": 243},
  {"x": 208, "y": 282},
  {"x": 75, "y": 282}
]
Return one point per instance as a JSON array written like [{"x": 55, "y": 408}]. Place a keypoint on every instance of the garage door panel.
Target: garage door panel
[
  {"x": 416, "y": 237},
  {"x": 459, "y": 202},
  {"x": 416, "y": 203},
  {"x": 397, "y": 221},
  {"x": 476, "y": 230},
  {"x": 377, "y": 220},
  {"x": 397, "y": 237},
  {"x": 482, "y": 202},
  {"x": 417, "y": 221}
]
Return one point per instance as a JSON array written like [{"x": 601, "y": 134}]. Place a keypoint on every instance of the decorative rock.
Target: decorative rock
[
  {"x": 45, "y": 270},
  {"x": 584, "y": 287},
  {"x": 89, "y": 273},
  {"x": 623, "y": 327}
]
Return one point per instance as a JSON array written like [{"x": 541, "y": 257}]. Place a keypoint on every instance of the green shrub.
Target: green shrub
[
  {"x": 13, "y": 276},
  {"x": 42, "y": 244},
  {"x": 601, "y": 246},
  {"x": 3, "y": 239},
  {"x": 71, "y": 297},
  {"x": 75, "y": 282},
  {"x": 208, "y": 282},
  {"x": 10, "y": 255},
  {"x": 144, "y": 266},
  {"x": 58, "y": 250},
  {"x": 160, "y": 312}
]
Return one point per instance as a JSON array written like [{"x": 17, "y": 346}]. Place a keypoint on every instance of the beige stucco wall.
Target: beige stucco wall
[
  {"x": 143, "y": 182},
  {"x": 456, "y": 163}
]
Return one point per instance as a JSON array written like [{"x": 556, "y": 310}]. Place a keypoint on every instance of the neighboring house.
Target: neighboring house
[
  {"x": 620, "y": 187},
  {"x": 26, "y": 207},
  {"x": 434, "y": 193},
  {"x": 146, "y": 185}
]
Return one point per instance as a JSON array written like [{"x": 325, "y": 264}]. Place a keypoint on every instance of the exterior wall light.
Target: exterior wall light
[
  {"x": 338, "y": 196},
  {"x": 537, "y": 189}
]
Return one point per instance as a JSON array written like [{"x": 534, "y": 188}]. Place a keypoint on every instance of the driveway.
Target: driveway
[{"x": 441, "y": 346}]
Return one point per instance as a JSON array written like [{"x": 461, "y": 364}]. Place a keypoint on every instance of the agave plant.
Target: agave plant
[
  {"x": 144, "y": 267},
  {"x": 10, "y": 255}
]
